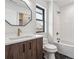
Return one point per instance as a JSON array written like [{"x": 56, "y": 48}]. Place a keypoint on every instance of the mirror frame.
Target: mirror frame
[{"x": 26, "y": 23}]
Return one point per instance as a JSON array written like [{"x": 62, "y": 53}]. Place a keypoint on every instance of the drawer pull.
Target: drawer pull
[
  {"x": 30, "y": 45},
  {"x": 23, "y": 48}
]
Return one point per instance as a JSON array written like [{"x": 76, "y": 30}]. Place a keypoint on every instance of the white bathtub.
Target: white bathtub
[{"x": 65, "y": 48}]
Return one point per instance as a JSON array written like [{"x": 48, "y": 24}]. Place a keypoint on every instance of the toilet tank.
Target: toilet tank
[{"x": 45, "y": 40}]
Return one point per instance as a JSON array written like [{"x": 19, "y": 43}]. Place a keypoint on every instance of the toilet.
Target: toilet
[{"x": 49, "y": 48}]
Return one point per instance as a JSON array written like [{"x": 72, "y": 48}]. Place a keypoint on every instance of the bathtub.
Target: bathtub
[{"x": 65, "y": 48}]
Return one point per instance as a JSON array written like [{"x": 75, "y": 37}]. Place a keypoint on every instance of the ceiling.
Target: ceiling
[{"x": 61, "y": 3}]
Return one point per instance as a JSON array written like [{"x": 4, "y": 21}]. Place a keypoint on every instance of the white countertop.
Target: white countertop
[{"x": 9, "y": 41}]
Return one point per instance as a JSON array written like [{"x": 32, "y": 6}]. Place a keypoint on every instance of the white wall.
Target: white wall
[
  {"x": 44, "y": 5},
  {"x": 56, "y": 20},
  {"x": 64, "y": 22},
  {"x": 28, "y": 29},
  {"x": 67, "y": 23},
  {"x": 49, "y": 18},
  {"x": 48, "y": 6},
  {"x": 50, "y": 21}
]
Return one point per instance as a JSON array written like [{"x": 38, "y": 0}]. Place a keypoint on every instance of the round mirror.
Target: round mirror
[{"x": 17, "y": 12}]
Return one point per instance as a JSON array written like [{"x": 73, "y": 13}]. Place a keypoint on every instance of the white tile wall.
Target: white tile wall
[
  {"x": 56, "y": 20},
  {"x": 64, "y": 22},
  {"x": 67, "y": 23},
  {"x": 28, "y": 29}
]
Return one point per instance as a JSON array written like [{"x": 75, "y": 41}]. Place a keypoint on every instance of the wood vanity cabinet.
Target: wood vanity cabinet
[
  {"x": 14, "y": 51},
  {"x": 39, "y": 48},
  {"x": 31, "y": 49},
  {"x": 30, "y": 52}
]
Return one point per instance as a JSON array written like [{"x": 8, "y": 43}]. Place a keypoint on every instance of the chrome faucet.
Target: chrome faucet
[{"x": 19, "y": 31}]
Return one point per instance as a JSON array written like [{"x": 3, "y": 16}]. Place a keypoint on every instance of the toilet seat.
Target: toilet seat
[{"x": 50, "y": 48}]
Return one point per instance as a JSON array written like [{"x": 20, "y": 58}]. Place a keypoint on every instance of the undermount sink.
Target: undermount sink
[
  {"x": 21, "y": 37},
  {"x": 17, "y": 39}
]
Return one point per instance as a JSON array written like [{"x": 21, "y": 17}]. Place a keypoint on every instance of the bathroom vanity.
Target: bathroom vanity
[{"x": 31, "y": 48}]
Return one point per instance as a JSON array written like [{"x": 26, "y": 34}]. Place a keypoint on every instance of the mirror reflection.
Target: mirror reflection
[{"x": 17, "y": 12}]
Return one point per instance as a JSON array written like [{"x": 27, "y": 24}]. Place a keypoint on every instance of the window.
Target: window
[{"x": 40, "y": 19}]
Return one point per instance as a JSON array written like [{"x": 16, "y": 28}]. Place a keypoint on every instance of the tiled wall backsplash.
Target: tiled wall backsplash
[{"x": 28, "y": 29}]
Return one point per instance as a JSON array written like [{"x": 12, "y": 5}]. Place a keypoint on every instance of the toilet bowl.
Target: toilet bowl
[{"x": 50, "y": 49}]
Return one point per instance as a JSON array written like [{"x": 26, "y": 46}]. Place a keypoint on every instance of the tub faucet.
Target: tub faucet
[
  {"x": 58, "y": 40},
  {"x": 19, "y": 31}
]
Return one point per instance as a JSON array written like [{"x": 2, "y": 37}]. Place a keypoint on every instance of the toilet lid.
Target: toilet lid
[{"x": 50, "y": 46}]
